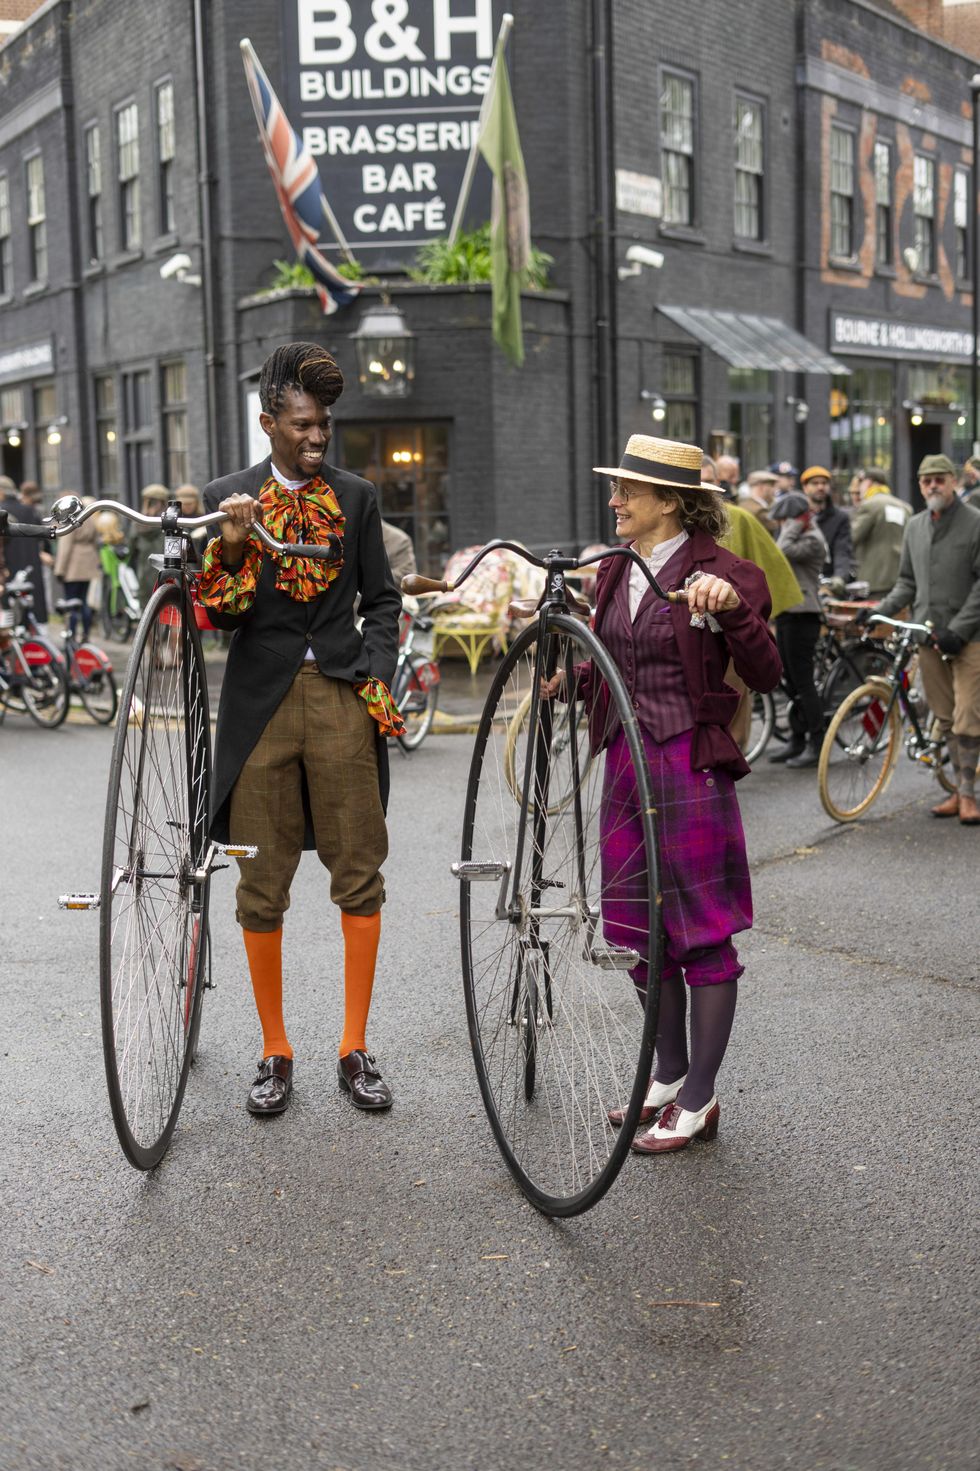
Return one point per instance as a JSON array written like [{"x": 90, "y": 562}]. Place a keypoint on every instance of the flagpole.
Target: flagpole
[
  {"x": 331, "y": 220},
  {"x": 464, "y": 192}
]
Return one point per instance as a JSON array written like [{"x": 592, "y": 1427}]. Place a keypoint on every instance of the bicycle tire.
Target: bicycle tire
[
  {"x": 97, "y": 690},
  {"x": 154, "y": 905},
  {"x": 45, "y": 693},
  {"x": 587, "y": 1041},
  {"x": 858, "y": 756},
  {"x": 762, "y": 726},
  {"x": 514, "y": 765},
  {"x": 117, "y": 621},
  {"x": 417, "y": 723},
  {"x": 857, "y": 664}
]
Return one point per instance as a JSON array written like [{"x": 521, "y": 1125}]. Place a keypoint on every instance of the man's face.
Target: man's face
[
  {"x": 937, "y": 490},
  {"x": 971, "y": 476},
  {"x": 817, "y": 490},
  {"x": 764, "y": 490},
  {"x": 727, "y": 468},
  {"x": 298, "y": 434}
]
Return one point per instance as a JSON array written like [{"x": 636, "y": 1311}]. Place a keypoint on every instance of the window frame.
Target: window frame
[
  {"x": 36, "y": 219},
  {"x": 94, "y": 219},
  {"x": 884, "y": 208},
  {"x": 106, "y": 420},
  {"x": 166, "y": 203},
  {"x": 688, "y": 79},
  {"x": 675, "y": 398},
  {"x": 963, "y": 232},
  {"x": 6, "y": 238},
  {"x": 130, "y": 234},
  {"x": 920, "y": 219},
  {"x": 749, "y": 99},
  {"x": 843, "y": 130},
  {"x": 174, "y": 426}
]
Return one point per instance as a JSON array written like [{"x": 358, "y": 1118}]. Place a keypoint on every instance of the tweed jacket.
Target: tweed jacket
[
  {"x": 744, "y": 637},
  {"x": 878, "y": 528},
  {"x": 271, "y": 639},
  {"x": 939, "y": 571}
]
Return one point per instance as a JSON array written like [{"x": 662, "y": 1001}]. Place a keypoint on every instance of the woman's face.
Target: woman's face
[{"x": 640, "y": 513}]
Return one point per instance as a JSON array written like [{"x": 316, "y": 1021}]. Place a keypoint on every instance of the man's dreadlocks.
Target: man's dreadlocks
[{"x": 302, "y": 366}]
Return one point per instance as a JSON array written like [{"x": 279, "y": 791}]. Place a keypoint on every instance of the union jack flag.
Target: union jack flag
[{"x": 297, "y": 184}]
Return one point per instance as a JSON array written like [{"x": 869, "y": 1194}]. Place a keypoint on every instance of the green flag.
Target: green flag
[{"x": 510, "y": 223}]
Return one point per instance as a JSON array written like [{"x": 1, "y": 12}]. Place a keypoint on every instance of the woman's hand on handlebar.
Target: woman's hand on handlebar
[
  {"x": 711, "y": 594},
  {"x": 241, "y": 512},
  {"x": 549, "y": 688}
]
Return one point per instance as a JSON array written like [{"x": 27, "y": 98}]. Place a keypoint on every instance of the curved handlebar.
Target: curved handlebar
[
  {"x": 49, "y": 530},
  {"x": 924, "y": 628},
  {"x": 416, "y": 584}
]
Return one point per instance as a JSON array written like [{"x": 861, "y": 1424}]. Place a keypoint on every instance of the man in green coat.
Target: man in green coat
[
  {"x": 878, "y": 531},
  {"x": 939, "y": 576}
]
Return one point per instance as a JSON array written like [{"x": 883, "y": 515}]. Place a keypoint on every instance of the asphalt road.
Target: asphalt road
[{"x": 329, "y": 1290}]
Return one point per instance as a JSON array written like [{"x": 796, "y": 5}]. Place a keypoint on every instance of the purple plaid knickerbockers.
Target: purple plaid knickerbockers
[{"x": 707, "y": 895}]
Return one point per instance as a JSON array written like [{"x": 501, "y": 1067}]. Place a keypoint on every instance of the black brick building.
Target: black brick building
[{"x": 738, "y": 143}]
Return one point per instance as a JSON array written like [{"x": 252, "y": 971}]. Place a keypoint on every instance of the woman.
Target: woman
[
  {"x": 77, "y": 565},
  {"x": 797, "y": 631},
  {"x": 673, "y": 660}
]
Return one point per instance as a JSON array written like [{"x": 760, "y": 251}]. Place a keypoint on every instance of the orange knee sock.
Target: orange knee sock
[
  {"x": 264, "y": 951},
  {"x": 361, "y": 936}
]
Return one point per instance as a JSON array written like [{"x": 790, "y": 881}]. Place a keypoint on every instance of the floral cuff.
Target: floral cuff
[
  {"x": 381, "y": 706},
  {"x": 229, "y": 592}
]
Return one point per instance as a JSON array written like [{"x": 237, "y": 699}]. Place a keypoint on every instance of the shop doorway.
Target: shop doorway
[
  {"x": 12, "y": 460},
  {"x": 924, "y": 439},
  {"x": 409, "y": 465}
]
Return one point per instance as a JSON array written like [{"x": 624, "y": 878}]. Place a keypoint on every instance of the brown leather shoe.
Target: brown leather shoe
[
  {"x": 676, "y": 1128},
  {"x": 969, "y": 812},
  {"x": 272, "y": 1089},
  {"x": 948, "y": 808},
  {"x": 358, "y": 1075}
]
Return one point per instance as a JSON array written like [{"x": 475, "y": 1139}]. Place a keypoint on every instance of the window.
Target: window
[
  {"x": 107, "y": 433},
  {"x": 165, "y": 158},
  {"x": 37, "y": 228},
  {"x": 409, "y": 463},
  {"x": 841, "y": 193},
  {"x": 93, "y": 192},
  {"x": 681, "y": 397},
  {"x": 6, "y": 272},
  {"x": 176, "y": 452},
  {"x": 961, "y": 224},
  {"x": 924, "y": 204},
  {"x": 883, "y": 204},
  {"x": 137, "y": 410},
  {"x": 48, "y": 454},
  {"x": 128, "y": 162},
  {"x": 749, "y": 168},
  {"x": 677, "y": 145},
  {"x": 862, "y": 424},
  {"x": 750, "y": 393}
]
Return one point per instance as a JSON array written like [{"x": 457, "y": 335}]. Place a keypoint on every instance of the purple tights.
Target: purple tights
[{"x": 712, "y": 1013}]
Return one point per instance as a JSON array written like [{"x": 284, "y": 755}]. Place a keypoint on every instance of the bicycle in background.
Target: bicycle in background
[
  {"x": 121, "y": 607},
  {"x": 415, "y": 685},
  {"x": 89, "y": 668},
  {"x": 32, "y": 672}
]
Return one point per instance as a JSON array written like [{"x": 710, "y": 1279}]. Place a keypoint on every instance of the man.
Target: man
[
  {"x": 833, "y": 524},
  {"x": 878, "y": 530},
  {"x": 399, "y": 551},
  {"x": 727, "y": 472},
  {"x": 25, "y": 553},
  {"x": 759, "y": 498},
  {"x": 939, "y": 576},
  {"x": 786, "y": 475},
  {"x": 301, "y": 758},
  {"x": 970, "y": 482}
]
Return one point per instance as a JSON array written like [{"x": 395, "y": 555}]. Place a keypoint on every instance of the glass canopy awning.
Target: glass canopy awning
[{"x": 748, "y": 341}]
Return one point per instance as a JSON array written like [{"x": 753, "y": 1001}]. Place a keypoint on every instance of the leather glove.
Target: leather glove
[
  {"x": 863, "y": 616},
  {"x": 948, "y": 642}
]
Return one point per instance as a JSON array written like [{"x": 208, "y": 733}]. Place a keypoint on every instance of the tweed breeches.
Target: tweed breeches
[
  {"x": 704, "y": 872},
  {"x": 320, "y": 740},
  {"x": 952, "y": 688}
]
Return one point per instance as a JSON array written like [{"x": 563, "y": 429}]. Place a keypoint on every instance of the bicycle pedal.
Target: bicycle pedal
[
  {"x": 79, "y": 901},
  {"x": 473, "y": 871},
  {"x": 613, "y": 957},
  {"x": 237, "y": 850}
]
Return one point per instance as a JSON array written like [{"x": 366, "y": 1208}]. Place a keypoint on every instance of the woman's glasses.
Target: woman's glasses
[{"x": 620, "y": 491}]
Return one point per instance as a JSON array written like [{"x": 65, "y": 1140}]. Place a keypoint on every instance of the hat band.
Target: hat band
[{"x": 678, "y": 474}]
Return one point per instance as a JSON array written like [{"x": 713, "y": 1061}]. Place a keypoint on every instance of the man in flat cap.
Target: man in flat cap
[
  {"x": 833, "y": 523},
  {"x": 939, "y": 575}
]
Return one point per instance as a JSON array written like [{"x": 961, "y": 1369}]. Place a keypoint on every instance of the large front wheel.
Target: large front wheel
[
  {"x": 859, "y": 751},
  {"x": 154, "y": 900},
  {"x": 560, "y": 918}
]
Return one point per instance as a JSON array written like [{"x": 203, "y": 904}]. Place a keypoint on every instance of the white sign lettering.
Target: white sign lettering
[
  {"x": 639, "y": 194},
  {"x": 889, "y": 338}
]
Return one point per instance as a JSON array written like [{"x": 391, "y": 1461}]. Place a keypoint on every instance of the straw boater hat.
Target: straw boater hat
[{"x": 660, "y": 462}]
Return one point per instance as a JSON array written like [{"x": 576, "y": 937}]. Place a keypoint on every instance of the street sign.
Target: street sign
[{"x": 639, "y": 194}]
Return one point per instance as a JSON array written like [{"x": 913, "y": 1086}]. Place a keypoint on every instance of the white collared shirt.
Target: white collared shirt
[{"x": 658, "y": 558}]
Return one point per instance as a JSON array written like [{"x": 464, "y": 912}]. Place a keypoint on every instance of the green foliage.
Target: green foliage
[
  {"x": 468, "y": 260},
  {"x": 290, "y": 274}
]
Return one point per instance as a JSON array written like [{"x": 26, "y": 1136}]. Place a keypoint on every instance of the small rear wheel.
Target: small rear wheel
[
  {"x": 155, "y": 886},
  {"x": 859, "y": 752},
  {"x": 95, "y": 683},
  {"x": 419, "y": 703}
]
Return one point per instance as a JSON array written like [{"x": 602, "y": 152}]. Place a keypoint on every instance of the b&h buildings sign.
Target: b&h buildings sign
[{"x": 386, "y": 95}]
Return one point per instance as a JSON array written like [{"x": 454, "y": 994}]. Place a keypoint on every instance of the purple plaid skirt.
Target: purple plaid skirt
[{"x": 704, "y": 873}]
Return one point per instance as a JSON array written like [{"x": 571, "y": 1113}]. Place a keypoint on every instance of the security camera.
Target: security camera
[
  {"x": 642, "y": 255},
  {"x": 177, "y": 265}
]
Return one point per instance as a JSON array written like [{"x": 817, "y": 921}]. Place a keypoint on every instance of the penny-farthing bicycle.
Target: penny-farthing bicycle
[
  {"x": 157, "y": 859},
  {"x": 559, "y": 900}
]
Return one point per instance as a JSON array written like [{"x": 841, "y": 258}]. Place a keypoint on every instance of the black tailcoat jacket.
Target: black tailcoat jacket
[{"x": 271, "y": 639}]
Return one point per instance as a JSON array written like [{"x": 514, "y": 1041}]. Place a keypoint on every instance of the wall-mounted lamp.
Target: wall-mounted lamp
[
  {"x": 55, "y": 427},
  {"x": 638, "y": 257},
  {"x": 14, "y": 435},
  {"x": 385, "y": 352},
  {"x": 916, "y": 415},
  {"x": 658, "y": 405},
  {"x": 800, "y": 407}
]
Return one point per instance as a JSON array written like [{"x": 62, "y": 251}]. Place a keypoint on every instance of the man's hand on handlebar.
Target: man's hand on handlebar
[
  {"x": 948, "y": 642},
  {"x": 863, "y": 616},
  {"x": 241, "y": 511}
]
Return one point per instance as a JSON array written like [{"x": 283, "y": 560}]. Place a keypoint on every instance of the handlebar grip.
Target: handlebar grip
[
  {"x": 416, "y": 585},
  {"x": 24, "y": 528},
  {"x": 325, "y": 552}
]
